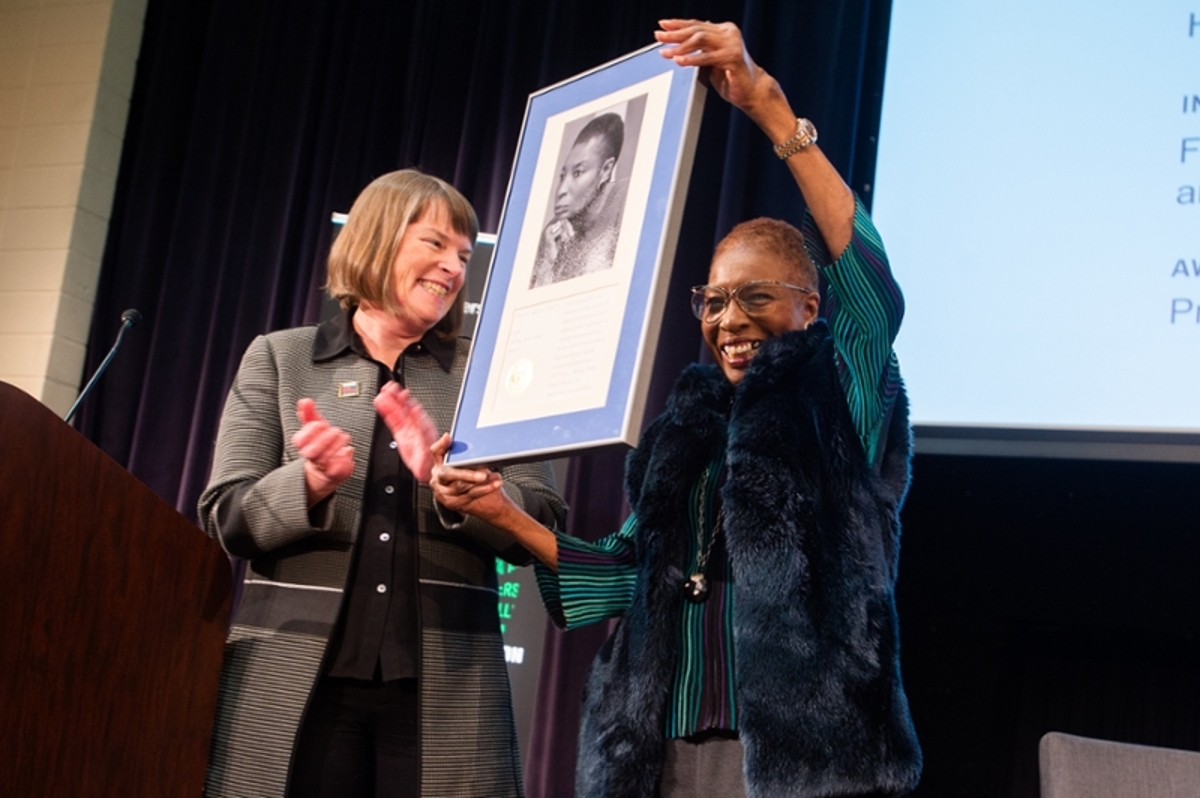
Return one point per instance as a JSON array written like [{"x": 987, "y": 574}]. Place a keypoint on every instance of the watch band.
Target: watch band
[{"x": 806, "y": 133}]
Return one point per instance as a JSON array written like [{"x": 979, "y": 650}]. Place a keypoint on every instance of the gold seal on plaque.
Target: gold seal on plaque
[{"x": 519, "y": 377}]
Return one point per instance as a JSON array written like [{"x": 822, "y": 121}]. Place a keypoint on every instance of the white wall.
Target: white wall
[{"x": 66, "y": 75}]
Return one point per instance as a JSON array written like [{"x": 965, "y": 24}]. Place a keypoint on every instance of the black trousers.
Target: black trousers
[{"x": 359, "y": 739}]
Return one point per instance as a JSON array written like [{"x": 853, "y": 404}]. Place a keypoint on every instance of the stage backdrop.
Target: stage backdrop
[
  {"x": 1033, "y": 595},
  {"x": 251, "y": 122}
]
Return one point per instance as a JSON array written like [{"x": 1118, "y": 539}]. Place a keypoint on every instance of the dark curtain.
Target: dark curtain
[
  {"x": 251, "y": 122},
  {"x": 1034, "y": 595},
  {"x": 1046, "y": 595}
]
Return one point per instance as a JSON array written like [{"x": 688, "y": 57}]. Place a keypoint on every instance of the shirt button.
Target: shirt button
[
  {"x": 380, "y": 588},
  {"x": 392, "y": 445},
  {"x": 385, "y": 537},
  {"x": 389, "y": 490}
]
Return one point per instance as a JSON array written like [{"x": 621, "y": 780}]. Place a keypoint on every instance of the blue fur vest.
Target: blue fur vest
[{"x": 813, "y": 535}]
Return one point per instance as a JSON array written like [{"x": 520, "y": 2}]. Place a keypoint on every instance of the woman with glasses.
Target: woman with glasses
[{"x": 757, "y": 647}]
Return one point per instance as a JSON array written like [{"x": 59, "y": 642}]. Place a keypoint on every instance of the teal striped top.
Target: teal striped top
[{"x": 595, "y": 581}]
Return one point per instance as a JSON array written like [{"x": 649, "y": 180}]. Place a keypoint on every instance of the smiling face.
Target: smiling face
[
  {"x": 735, "y": 337},
  {"x": 429, "y": 269},
  {"x": 585, "y": 171}
]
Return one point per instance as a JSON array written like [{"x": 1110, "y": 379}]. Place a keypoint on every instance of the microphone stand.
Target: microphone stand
[{"x": 128, "y": 319}]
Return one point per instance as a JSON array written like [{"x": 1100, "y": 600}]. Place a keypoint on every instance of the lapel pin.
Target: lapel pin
[{"x": 346, "y": 390}]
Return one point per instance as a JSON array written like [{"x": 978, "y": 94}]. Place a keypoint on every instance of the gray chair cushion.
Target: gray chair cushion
[{"x": 1080, "y": 767}]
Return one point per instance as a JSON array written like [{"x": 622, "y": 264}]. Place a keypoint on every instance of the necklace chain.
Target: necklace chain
[{"x": 703, "y": 551}]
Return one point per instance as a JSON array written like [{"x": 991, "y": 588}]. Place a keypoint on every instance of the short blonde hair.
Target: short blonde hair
[{"x": 364, "y": 252}]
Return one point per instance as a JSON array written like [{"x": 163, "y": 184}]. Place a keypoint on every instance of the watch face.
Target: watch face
[
  {"x": 806, "y": 134},
  {"x": 809, "y": 130}
]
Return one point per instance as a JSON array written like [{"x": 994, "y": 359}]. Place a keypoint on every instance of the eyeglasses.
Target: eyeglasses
[{"x": 755, "y": 298}]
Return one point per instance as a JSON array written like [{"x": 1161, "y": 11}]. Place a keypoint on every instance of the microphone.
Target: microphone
[{"x": 128, "y": 319}]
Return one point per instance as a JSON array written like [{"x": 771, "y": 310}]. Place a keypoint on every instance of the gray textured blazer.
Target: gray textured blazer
[{"x": 298, "y": 564}]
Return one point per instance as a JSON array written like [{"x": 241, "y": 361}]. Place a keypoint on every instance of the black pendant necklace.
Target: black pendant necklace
[{"x": 696, "y": 589}]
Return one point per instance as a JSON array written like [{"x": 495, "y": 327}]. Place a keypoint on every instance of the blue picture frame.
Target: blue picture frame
[{"x": 561, "y": 364}]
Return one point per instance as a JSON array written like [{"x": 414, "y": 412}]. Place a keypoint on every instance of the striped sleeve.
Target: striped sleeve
[
  {"x": 864, "y": 309},
  {"x": 594, "y": 580}
]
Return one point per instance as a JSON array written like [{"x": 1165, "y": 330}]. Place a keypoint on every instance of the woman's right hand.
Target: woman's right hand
[
  {"x": 472, "y": 491},
  {"x": 328, "y": 455},
  {"x": 476, "y": 492},
  {"x": 556, "y": 235}
]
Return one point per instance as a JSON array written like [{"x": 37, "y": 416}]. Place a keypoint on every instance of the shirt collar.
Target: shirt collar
[{"x": 337, "y": 335}]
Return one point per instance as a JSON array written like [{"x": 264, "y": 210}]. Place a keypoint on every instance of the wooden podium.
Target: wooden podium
[{"x": 113, "y": 615}]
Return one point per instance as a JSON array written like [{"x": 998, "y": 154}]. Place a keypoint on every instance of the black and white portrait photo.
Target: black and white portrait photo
[{"x": 589, "y": 192}]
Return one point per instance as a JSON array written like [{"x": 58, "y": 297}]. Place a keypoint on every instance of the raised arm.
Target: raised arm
[{"x": 719, "y": 49}]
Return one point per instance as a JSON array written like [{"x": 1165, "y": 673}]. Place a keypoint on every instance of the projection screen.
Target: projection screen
[{"x": 1038, "y": 188}]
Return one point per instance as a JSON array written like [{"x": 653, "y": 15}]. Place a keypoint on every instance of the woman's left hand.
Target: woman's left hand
[
  {"x": 719, "y": 49},
  {"x": 411, "y": 427}
]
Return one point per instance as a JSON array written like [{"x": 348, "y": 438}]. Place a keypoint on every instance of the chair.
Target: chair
[{"x": 1081, "y": 767}]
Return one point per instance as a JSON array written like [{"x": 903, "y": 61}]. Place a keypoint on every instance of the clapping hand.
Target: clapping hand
[
  {"x": 328, "y": 455},
  {"x": 411, "y": 427}
]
